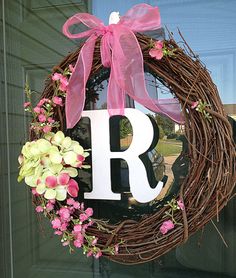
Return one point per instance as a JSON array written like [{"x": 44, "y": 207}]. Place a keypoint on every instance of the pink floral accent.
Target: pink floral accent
[
  {"x": 64, "y": 214},
  {"x": 50, "y": 120},
  {"x": 34, "y": 192},
  {"x": 39, "y": 209},
  {"x": 42, "y": 118},
  {"x": 77, "y": 228},
  {"x": 71, "y": 68},
  {"x": 57, "y": 100},
  {"x": 73, "y": 188},
  {"x": 56, "y": 223},
  {"x": 98, "y": 255},
  {"x": 63, "y": 84},
  {"x": 89, "y": 254},
  {"x": 180, "y": 204},
  {"x": 47, "y": 128},
  {"x": 65, "y": 243},
  {"x": 64, "y": 227},
  {"x": 58, "y": 233},
  {"x": 27, "y": 104},
  {"x": 63, "y": 179},
  {"x": 194, "y": 105},
  {"x": 89, "y": 212},
  {"x": 70, "y": 201},
  {"x": 42, "y": 101},
  {"x": 37, "y": 109},
  {"x": 83, "y": 217},
  {"x": 49, "y": 206},
  {"x": 94, "y": 242},
  {"x": 51, "y": 181},
  {"x": 56, "y": 76},
  {"x": 116, "y": 249},
  {"x": 157, "y": 51},
  {"x": 166, "y": 226}
]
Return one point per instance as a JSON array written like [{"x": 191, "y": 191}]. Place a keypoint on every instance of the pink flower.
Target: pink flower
[
  {"x": 49, "y": 206},
  {"x": 39, "y": 209},
  {"x": 77, "y": 228},
  {"x": 194, "y": 104},
  {"x": 34, "y": 192},
  {"x": 94, "y": 241},
  {"x": 57, "y": 100},
  {"x": 89, "y": 254},
  {"x": 116, "y": 248},
  {"x": 70, "y": 202},
  {"x": 63, "y": 179},
  {"x": 63, "y": 83},
  {"x": 56, "y": 223},
  {"x": 83, "y": 217},
  {"x": 56, "y": 76},
  {"x": 89, "y": 212},
  {"x": 158, "y": 45},
  {"x": 64, "y": 226},
  {"x": 98, "y": 255},
  {"x": 37, "y": 109},
  {"x": 64, "y": 214},
  {"x": 156, "y": 53},
  {"x": 50, "y": 120},
  {"x": 65, "y": 243},
  {"x": 42, "y": 101},
  {"x": 79, "y": 240},
  {"x": 42, "y": 118},
  {"x": 26, "y": 104},
  {"x": 58, "y": 233},
  {"x": 71, "y": 68},
  {"x": 47, "y": 128},
  {"x": 51, "y": 181},
  {"x": 166, "y": 226},
  {"x": 180, "y": 204},
  {"x": 73, "y": 188},
  {"x": 76, "y": 205}
]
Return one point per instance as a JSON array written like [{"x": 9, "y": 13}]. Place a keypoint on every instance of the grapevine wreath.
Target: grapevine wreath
[{"x": 50, "y": 161}]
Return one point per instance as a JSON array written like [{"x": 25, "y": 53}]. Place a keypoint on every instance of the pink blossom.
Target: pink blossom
[
  {"x": 158, "y": 44},
  {"x": 98, "y": 255},
  {"x": 34, "y": 192},
  {"x": 49, "y": 206},
  {"x": 76, "y": 205},
  {"x": 65, "y": 243},
  {"x": 57, "y": 100},
  {"x": 194, "y": 105},
  {"x": 64, "y": 226},
  {"x": 42, "y": 118},
  {"x": 37, "y": 109},
  {"x": 56, "y": 223},
  {"x": 56, "y": 76},
  {"x": 166, "y": 226},
  {"x": 47, "y": 128},
  {"x": 77, "y": 228},
  {"x": 39, "y": 209},
  {"x": 70, "y": 201},
  {"x": 73, "y": 188},
  {"x": 89, "y": 254},
  {"x": 50, "y": 120},
  {"x": 180, "y": 204},
  {"x": 58, "y": 233},
  {"x": 71, "y": 68},
  {"x": 42, "y": 101},
  {"x": 89, "y": 211},
  {"x": 64, "y": 214},
  {"x": 79, "y": 240},
  {"x": 63, "y": 179},
  {"x": 26, "y": 104},
  {"x": 63, "y": 83},
  {"x": 51, "y": 181},
  {"x": 52, "y": 201},
  {"x": 82, "y": 206},
  {"x": 83, "y": 217},
  {"x": 116, "y": 248},
  {"x": 94, "y": 241},
  {"x": 156, "y": 53}
]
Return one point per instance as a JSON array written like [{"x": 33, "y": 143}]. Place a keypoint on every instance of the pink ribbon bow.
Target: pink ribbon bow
[{"x": 121, "y": 52}]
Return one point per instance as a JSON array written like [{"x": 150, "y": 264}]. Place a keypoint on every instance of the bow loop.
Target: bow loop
[{"x": 121, "y": 52}]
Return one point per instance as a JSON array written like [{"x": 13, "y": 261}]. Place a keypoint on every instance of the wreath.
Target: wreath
[{"x": 50, "y": 161}]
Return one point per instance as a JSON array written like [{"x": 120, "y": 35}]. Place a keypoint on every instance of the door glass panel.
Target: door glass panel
[{"x": 31, "y": 44}]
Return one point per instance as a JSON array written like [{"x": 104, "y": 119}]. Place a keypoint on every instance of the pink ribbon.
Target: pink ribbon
[{"x": 121, "y": 52}]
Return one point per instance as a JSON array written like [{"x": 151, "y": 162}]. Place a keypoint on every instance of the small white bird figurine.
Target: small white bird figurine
[{"x": 114, "y": 18}]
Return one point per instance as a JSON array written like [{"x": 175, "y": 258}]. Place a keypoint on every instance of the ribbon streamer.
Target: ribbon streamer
[{"x": 121, "y": 52}]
